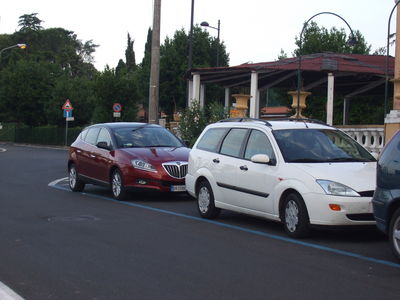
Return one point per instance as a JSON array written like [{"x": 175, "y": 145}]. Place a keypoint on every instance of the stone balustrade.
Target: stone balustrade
[{"x": 370, "y": 137}]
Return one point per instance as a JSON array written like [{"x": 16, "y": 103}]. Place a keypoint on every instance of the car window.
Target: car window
[
  {"x": 91, "y": 136},
  {"x": 233, "y": 142},
  {"x": 319, "y": 145},
  {"x": 145, "y": 136},
  {"x": 258, "y": 143},
  {"x": 211, "y": 140},
  {"x": 104, "y": 136},
  {"x": 83, "y": 134}
]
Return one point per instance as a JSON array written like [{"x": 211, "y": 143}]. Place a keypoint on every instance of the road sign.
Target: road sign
[
  {"x": 117, "y": 107},
  {"x": 67, "y": 105},
  {"x": 117, "y": 115},
  {"x": 67, "y": 113}
]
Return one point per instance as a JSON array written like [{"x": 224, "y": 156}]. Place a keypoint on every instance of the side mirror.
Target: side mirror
[
  {"x": 263, "y": 159},
  {"x": 260, "y": 159},
  {"x": 103, "y": 145}
]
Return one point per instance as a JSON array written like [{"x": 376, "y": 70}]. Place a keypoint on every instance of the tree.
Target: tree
[
  {"x": 34, "y": 83},
  {"x": 317, "y": 39},
  {"x": 26, "y": 88},
  {"x": 174, "y": 65},
  {"x": 111, "y": 88},
  {"x": 30, "y": 22},
  {"x": 130, "y": 55}
]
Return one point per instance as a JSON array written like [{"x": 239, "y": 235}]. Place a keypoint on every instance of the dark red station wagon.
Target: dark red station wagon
[{"x": 127, "y": 156}]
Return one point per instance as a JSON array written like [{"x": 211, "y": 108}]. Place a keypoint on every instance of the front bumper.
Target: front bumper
[{"x": 353, "y": 210}]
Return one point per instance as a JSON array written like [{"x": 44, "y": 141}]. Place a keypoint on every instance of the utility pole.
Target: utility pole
[{"x": 155, "y": 64}]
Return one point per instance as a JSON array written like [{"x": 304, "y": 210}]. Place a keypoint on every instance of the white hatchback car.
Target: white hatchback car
[{"x": 298, "y": 172}]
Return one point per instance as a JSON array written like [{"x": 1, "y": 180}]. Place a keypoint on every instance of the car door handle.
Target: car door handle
[
  {"x": 243, "y": 168},
  {"x": 216, "y": 160}
]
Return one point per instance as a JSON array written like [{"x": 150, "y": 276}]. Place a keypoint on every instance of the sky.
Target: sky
[{"x": 252, "y": 30}]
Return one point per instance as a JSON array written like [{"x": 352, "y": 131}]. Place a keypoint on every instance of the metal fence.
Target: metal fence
[{"x": 49, "y": 135}]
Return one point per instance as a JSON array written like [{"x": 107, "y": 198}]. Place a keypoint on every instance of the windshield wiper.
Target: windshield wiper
[
  {"x": 306, "y": 160},
  {"x": 347, "y": 159},
  {"x": 154, "y": 146}
]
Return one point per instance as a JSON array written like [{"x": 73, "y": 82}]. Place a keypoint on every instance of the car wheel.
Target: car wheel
[
  {"x": 75, "y": 183},
  {"x": 117, "y": 185},
  {"x": 394, "y": 233},
  {"x": 205, "y": 201},
  {"x": 295, "y": 216}
]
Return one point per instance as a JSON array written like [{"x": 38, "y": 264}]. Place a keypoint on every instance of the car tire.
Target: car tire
[
  {"x": 117, "y": 185},
  {"x": 205, "y": 201},
  {"x": 295, "y": 216},
  {"x": 75, "y": 184},
  {"x": 394, "y": 233}
]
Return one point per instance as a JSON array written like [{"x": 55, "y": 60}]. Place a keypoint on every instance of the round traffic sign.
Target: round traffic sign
[{"x": 117, "y": 107}]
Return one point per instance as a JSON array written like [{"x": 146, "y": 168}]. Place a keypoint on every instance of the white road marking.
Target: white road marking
[
  {"x": 3, "y": 150},
  {"x": 8, "y": 294},
  {"x": 55, "y": 182}
]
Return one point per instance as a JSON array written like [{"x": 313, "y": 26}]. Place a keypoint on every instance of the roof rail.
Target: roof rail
[
  {"x": 245, "y": 120},
  {"x": 304, "y": 120}
]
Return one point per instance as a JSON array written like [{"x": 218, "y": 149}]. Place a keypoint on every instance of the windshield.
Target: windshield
[
  {"x": 145, "y": 136},
  {"x": 319, "y": 145}
]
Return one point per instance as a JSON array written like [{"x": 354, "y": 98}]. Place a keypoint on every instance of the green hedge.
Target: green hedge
[{"x": 48, "y": 135}]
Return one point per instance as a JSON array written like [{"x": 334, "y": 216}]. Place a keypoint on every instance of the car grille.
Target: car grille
[
  {"x": 176, "y": 169},
  {"x": 366, "y": 193},
  {"x": 361, "y": 217}
]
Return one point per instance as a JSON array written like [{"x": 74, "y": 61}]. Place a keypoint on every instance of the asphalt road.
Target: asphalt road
[{"x": 56, "y": 244}]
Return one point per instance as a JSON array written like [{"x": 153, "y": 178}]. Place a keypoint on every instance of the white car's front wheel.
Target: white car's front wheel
[
  {"x": 295, "y": 216},
  {"x": 205, "y": 201}
]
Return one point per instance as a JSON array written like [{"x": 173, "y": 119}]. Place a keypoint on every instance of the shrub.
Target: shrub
[{"x": 194, "y": 119}]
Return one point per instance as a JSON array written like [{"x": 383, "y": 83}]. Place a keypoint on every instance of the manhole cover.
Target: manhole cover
[{"x": 72, "y": 218}]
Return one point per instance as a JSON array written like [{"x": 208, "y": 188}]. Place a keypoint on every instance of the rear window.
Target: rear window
[{"x": 211, "y": 140}]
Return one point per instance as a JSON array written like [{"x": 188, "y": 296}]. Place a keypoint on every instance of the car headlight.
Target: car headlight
[
  {"x": 142, "y": 165},
  {"x": 337, "y": 189}
]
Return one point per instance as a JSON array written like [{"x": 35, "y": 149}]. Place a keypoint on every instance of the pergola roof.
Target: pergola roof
[{"x": 355, "y": 74}]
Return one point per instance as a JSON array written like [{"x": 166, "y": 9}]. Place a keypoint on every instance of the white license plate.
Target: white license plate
[{"x": 178, "y": 188}]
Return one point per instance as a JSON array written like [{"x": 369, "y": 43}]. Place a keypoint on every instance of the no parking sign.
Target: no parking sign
[{"x": 117, "y": 108}]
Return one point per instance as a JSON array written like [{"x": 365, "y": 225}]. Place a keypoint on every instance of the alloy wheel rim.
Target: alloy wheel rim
[
  {"x": 116, "y": 184},
  {"x": 72, "y": 177},
  {"x": 291, "y": 215},
  {"x": 396, "y": 235},
  {"x": 204, "y": 199}
]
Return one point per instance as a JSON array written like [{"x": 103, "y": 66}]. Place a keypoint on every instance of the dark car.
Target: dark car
[
  {"x": 127, "y": 156},
  {"x": 386, "y": 200}
]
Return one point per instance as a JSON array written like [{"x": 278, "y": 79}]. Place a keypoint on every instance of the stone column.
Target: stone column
[
  {"x": 253, "y": 94},
  {"x": 329, "y": 105},
  {"x": 227, "y": 97},
  {"x": 202, "y": 95},
  {"x": 196, "y": 89}
]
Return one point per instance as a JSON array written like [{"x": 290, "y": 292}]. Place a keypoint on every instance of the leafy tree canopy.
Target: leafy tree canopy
[
  {"x": 30, "y": 22},
  {"x": 317, "y": 39}
]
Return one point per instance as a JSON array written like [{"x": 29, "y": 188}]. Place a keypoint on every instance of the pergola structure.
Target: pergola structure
[{"x": 322, "y": 73}]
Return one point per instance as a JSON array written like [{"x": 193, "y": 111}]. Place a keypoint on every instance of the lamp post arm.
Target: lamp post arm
[
  {"x": 300, "y": 49},
  {"x": 2, "y": 50},
  {"x": 387, "y": 61}
]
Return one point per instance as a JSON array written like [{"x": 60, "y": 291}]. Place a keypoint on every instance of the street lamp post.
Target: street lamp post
[
  {"x": 21, "y": 46},
  {"x": 351, "y": 41},
  {"x": 387, "y": 62},
  {"x": 205, "y": 24}
]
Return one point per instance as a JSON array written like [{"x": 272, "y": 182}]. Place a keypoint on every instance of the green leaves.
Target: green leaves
[{"x": 194, "y": 119}]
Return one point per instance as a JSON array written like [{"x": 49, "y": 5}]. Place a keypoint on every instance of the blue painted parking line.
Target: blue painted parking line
[{"x": 243, "y": 229}]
